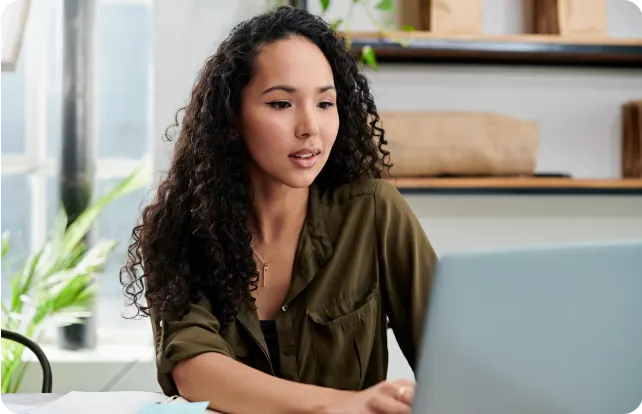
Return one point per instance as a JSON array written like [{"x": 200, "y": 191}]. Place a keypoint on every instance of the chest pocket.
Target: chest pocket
[{"x": 343, "y": 338}]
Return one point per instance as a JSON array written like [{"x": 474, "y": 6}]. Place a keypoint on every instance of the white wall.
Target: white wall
[
  {"x": 186, "y": 32},
  {"x": 578, "y": 111}
]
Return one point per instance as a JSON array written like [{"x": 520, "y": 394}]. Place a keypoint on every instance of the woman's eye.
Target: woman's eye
[
  {"x": 326, "y": 105},
  {"x": 279, "y": 104}
]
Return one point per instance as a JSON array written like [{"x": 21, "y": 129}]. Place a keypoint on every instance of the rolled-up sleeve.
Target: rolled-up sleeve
[{"x": 177, "y": 340}]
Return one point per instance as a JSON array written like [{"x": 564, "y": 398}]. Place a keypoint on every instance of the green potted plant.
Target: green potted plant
[
  {"x": 384, "y": 25},
  {"x": 56, "y": 285}
]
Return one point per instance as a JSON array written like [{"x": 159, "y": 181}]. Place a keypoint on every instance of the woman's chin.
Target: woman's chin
[
  {"x": 299, "y": 183},
  {"x": 300, "y": 179}
]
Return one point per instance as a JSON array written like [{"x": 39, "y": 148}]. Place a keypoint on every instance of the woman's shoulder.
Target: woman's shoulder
[
  {"x": 376, "y": 189},
  {"x": 368, "y": 197}
]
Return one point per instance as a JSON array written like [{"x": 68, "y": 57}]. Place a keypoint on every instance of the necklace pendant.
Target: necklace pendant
[{"x": 265, "y": 268}]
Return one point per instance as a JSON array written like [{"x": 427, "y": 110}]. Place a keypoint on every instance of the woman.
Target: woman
[{"x": 273, "y": 254}]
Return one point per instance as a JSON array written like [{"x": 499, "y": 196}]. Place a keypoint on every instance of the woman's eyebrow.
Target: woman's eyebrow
[{"x": 292, "y": 89}]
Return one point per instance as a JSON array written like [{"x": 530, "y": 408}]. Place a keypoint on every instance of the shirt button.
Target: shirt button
[
  {"x": 284, "y": 308},
  {"x": 289, "y": 351}
]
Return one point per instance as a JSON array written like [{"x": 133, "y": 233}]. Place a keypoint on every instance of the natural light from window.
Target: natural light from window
[{"x": 120, "y": 139}]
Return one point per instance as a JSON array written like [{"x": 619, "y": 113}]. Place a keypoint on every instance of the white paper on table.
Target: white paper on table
[{"x": 121, "y": 402}]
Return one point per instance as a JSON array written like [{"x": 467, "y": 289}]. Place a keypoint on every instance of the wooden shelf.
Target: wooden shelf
[
  {"x": 519, "y": 186},
  {"x": 512, "y": 50}
]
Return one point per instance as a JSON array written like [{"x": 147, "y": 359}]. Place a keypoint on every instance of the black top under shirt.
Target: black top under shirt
[{"x": 272, "y": 341}]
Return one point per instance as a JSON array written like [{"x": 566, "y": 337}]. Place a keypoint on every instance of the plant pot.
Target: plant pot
[{"x": 78, "y": 336}]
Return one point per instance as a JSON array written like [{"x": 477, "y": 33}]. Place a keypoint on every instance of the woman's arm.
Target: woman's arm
[
  {"x": 195, "y": 361},
  {"x": 232, "y": 387},
  {"x": 407, "y": 262}
]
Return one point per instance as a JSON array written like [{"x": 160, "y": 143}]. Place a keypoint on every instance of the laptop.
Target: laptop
[{"x": 554, "y": 330}]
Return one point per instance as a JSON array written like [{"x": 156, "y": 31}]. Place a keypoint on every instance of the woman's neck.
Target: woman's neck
[{"x": 277, "y": 211}]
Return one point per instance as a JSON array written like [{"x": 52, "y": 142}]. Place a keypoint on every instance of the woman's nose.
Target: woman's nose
[{"x": 307, "y": 126}]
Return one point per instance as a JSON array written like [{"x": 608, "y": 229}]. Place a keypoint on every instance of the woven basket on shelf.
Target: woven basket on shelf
[{"x": 429, "y": 144}]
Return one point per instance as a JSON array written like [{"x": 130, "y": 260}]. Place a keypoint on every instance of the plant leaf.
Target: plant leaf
[
  {"x": 5, "y": 316},
  {"x": 335, "y": 24},
  {"x": 23, "y": 281},
  {"x": 65, "y": 298},
  {"x": 81, "y": 225},
  {"x": 19, "y": 375},
  {"x": 368, "y": 55},
  {"x": 51, "y": 251},
  {"x": 6, "y": 244},
  {"x": 14, "y": 281},
  {"x": 11, "y": 360},
  {"x": 57, "y": 284},
  {"x": 386, "y": 5},
  {"x": 324, "y": 5},
  {"x": 91, "y": 261}
]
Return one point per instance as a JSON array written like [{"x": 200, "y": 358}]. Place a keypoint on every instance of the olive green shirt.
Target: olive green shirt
[{"x": 362, "y": 259}]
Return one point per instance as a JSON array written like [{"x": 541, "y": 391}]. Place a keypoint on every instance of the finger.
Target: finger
[
  {"x": 386, "y": 404},
  {"x": 402, "y": 390},
  {"x": 408, "y": 396}
]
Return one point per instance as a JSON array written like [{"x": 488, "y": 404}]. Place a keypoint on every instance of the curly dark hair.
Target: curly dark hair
[{"x": 193, "y": 240}]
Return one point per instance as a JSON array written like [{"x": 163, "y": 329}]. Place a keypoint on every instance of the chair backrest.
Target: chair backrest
[{"x": 47, "y": 379}]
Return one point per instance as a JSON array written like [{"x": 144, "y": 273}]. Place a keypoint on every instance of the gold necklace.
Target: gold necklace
[{"x": 264, "y": 263}]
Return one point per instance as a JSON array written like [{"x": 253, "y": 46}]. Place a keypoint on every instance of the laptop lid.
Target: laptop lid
[{"x": 534, "y": 330}]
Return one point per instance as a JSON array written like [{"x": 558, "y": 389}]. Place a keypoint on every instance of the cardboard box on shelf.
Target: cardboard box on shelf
[
  {"x": 443, "y": 17},
  {"x": 632, "y": 140},
  {"x": 571, "y": 18}
]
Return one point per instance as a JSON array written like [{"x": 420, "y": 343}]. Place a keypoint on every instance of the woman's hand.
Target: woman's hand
[{"x": 389, "y": 397}]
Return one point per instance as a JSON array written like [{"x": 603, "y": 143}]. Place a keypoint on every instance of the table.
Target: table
[{"x": 23, "y": 403}]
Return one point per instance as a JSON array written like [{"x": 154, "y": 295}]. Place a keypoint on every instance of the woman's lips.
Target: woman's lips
[{"x": 306, "y": 158}]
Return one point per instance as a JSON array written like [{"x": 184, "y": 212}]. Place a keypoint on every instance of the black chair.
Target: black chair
[{"x": 47, "y": 377}]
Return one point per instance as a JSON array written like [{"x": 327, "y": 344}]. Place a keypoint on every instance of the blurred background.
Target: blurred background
[{"x": 89, "y": 87}]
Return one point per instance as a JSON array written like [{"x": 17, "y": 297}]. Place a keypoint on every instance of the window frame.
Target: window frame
[
  {"x": 13, "y": 38},
  {"x": 35, "y": 163}
]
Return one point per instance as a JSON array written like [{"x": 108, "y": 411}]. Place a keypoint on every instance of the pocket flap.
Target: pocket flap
[{"x": 348, "y": 312}]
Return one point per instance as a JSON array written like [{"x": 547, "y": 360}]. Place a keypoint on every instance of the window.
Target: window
[{"x": 32, "y": 128}]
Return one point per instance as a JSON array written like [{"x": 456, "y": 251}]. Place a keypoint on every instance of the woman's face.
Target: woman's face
[{"x": 289, "y": 117}]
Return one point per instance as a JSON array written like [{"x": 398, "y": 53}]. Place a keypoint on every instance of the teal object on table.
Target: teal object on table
[{"x": 176, "y": 408}]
